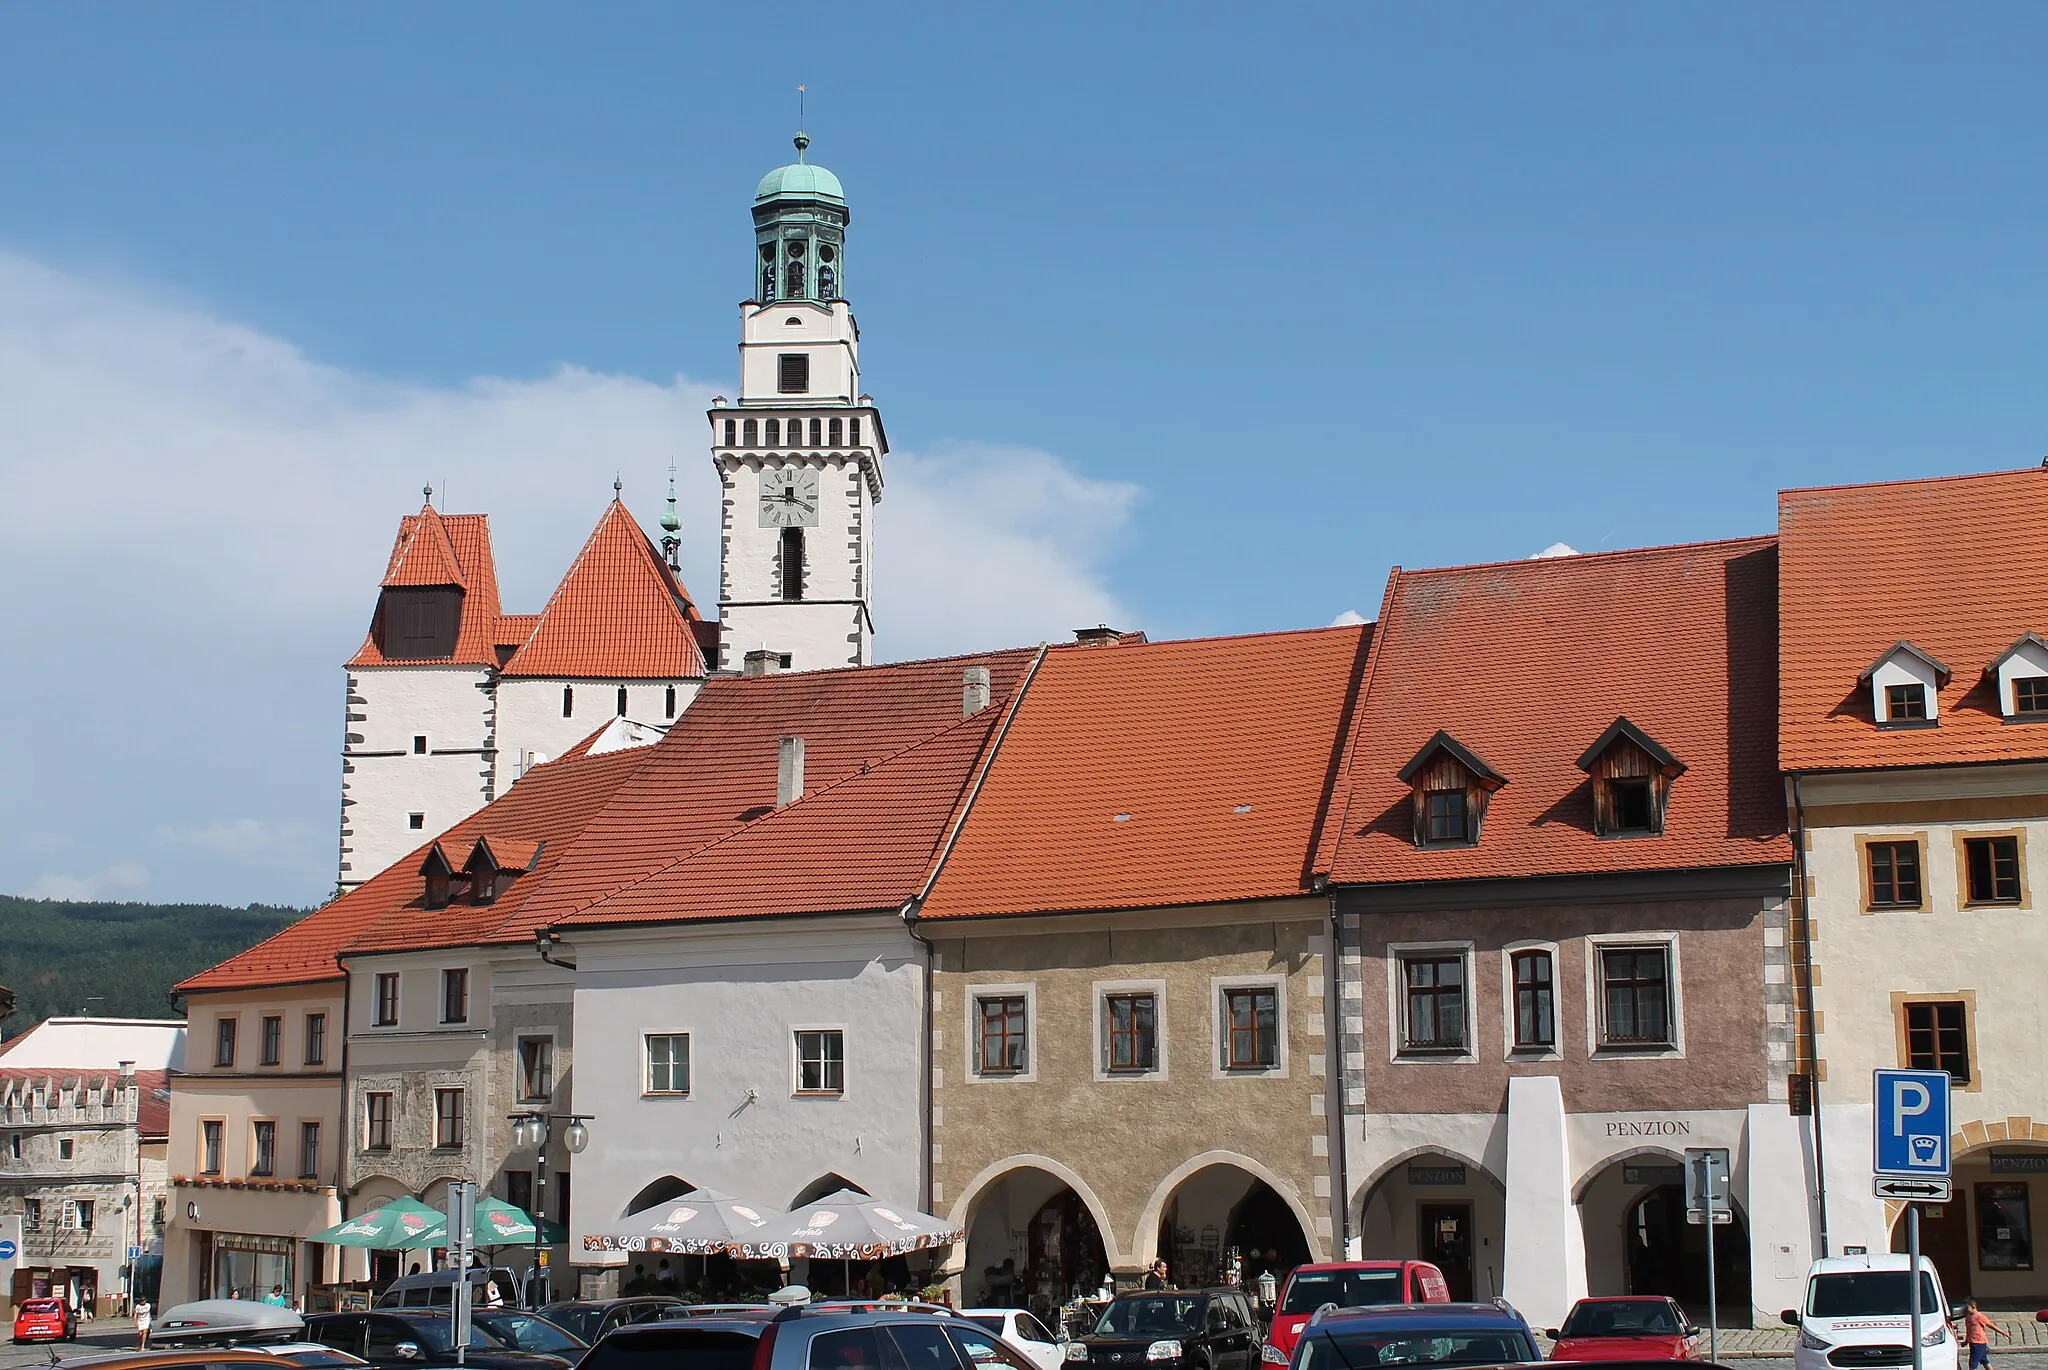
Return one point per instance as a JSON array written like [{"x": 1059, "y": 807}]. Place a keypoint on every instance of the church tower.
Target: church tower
[{"x": 800, "y": 453}]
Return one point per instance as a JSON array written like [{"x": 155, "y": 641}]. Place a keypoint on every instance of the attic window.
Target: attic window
[
  {"x": 2030, "y": 695},
  {"x": 1452, "y": 788},
  {"x": 1905, "y": 703},
  {"x": 2021, "y": 677},
  {"x": 1632, "y": 778},
  {"x": 1904, "y": 685}
]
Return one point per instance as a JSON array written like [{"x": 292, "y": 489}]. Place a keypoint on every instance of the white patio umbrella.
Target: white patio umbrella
[
  {"x": 703, "y": 1222},
  {"x": 849, "y": 1226}
]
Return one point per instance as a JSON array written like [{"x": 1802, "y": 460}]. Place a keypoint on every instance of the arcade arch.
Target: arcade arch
[
  {"x": 1036, "y": 1235},
  {"x": 1221, "y": 1203},
  {"x": 1441, "y": 1207},
  {"x": 1632, "y": 1209}
]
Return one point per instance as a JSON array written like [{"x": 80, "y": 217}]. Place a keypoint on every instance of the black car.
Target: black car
[
  {"x": 530, "y": 1332},
  {"x": 592, "y": 1318},
  {"x": 1172, "y": 1329},
  {"x": 405, "y": 1339},
  {"x": 1426, "y": 1334}
]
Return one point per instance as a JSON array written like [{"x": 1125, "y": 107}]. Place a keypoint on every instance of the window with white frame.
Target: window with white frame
[
  {"x": 1251, "y": 1027},
  {"x": 820, "y": 1061},
  {"x": 1001, "y": 1030},
  {"x": 536, "y": 1069},
  {"x": 668, "y": 1063},
  {"x": 1533, "y": 973},
  {"x": 1636, "y": 1002},
  {"x": 1433, "y": 1002},
  {"x": 1130, "y": 1031}
]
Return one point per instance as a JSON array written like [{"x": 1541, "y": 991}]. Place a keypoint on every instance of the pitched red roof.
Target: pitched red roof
[
  {"x": 1955, "y": 566},
  {"x": 1527, "y": 663},
  {"x": 620, "y": 613},
  {"x": 1165, "y": 773},
  {"x": 430, "y": 546}
]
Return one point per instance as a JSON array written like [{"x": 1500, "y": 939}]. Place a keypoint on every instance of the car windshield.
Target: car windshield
[
  {"x": 1347, "y": 1350},
  {"x": 1311, "y": 1289},
  {"x": 525, "y": 1332},
  {"x": 1151, "y": 1315},
  {"x": 1635, "y": 1318},
  {"x": 673, "y": 1348},
  {"x": 1867, "y": 1294},
  {"x": 992, "y": 1323},
  {"x": 580, "y": 1318}
]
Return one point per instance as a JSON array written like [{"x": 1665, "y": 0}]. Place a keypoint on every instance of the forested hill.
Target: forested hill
[{"x": 116, "y": 960}]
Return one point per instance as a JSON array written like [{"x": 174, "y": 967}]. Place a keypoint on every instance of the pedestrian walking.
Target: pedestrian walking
[
  {"x": 1977, "y": 1330},
  {"x": 142, "y": 1312},
  {"x": 275, "y": 1298}
]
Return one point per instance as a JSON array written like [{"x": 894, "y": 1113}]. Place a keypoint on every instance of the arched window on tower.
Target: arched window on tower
[
  {"x": 838, "y": 432},
  {"x": 753, "y": 433},
  {"x": 731, "y": 432},
  {"x": 853, "y": 432},
  {"x": 792, "y": 563},
  {"x": 793, "y": 280},
  {"x": 775, "y": 432},
  {"x": 767, "y": 273},
  {"x": 828, "y": 284},
  {"x": 817, "y": 432}
]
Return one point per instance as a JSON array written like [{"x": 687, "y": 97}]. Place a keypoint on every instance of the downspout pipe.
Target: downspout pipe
[
  {"x": 1334, "y": 1095},
  {"x": 1806, "y": 1031}
]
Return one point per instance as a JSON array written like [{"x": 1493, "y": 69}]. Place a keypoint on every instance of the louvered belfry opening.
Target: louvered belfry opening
[{"x": 792, "y": 568}]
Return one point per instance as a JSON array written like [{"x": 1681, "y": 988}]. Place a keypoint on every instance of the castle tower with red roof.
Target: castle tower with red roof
[{"x": 450, "y": 699}]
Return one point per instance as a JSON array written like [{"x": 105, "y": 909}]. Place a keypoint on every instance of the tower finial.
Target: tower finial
[
  {"x": 671, "y": 523},
  {"x": 803, "y": 139},
  {"x": 428, "y": 491},
  {"x": 618, "y": 485}
]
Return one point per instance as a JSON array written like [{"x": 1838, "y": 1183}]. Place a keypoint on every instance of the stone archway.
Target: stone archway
[
  {"x": 824, "y": 1186},
  {"x": 656, "y": 1192},
  {"x": 1221, "y": 1204},
  {"x": 1438, "y": 1205},
  {"x": 1638, "y": 1239},
  {"x": 1983, "y": 1240},
  {"x": 1035, "y": 1237}
]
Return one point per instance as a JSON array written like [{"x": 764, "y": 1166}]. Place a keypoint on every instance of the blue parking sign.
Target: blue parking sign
[{"x": 1912, "y": 1124}]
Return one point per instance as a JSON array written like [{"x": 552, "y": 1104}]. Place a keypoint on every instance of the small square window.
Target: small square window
[
  {"x": 2030, "y": 694},
  {"x": 1905, "y": 703},
  {"x": 1993, "y": 867},
  {"x": 1894, "y": 874},
  {"x": 1634, "y": 811},
  {"x": 66, "y": 1148},
  {"x": 668, "y": 1063},
  {"x": 1447, "y": 814},
  {"x": 1938, "y": 1038},
  {"x": 419, "y": 744},
  {"x": 793, "y": 373},
  {"x": 821, "y": 1062},
  {"x": 416, "y": 821}
]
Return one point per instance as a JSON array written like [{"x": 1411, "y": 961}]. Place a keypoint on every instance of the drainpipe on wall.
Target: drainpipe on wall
[
  {"x": 1334, "y": 1098},
  {"x": 343, "y": 1136},
  {"x": 1810, "y": 1035}
]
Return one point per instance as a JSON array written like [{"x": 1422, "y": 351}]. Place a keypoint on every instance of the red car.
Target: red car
[
  {"x": 1347, "y": 1284},
  {"x": 1633, "y": 1328},
  {"x": 44, "y": 1320}
]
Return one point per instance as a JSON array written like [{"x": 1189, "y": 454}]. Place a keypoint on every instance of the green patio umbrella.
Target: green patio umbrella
[
  {"x": 501, "y": 1224},
  {"x": 401, "y": 1225}
]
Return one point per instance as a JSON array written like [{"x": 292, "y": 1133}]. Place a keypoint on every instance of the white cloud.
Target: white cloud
[
  {"x": 193, "y": 516},
  {"x": 1350, "y": 618},
  {"x": 1555, "y": 549},
  {"x": 124, "y": 879}
]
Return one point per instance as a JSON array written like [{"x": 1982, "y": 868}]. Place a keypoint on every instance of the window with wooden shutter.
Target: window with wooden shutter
[{"x": 793, "y": 373}]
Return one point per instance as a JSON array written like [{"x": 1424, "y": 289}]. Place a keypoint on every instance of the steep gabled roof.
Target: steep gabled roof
[
  {"x": 1902, "y": 647},
  {"x": 2027, "y": 639},
  {"x": 1622, "y": 728},
  {"x": 1158, "y": 774},
  {"x": 620, "y": 613},
  {"x": 1521, "y": 659},
  {"x": 1442, "y": 741},
  {"x": 428, "y": 542},
  {"x": 1956, "y": 565}
]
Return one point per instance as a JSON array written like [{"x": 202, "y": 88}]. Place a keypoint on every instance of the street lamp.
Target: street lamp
[{"x": 532, "y": 1129}]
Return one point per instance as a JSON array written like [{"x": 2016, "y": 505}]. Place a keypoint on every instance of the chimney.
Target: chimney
[
  {"x": 761, "y": 663},
  {"x": 1102, "y": 635},
  {"x": 789, "y": 771},
  {"x": 973, "y": 691}
]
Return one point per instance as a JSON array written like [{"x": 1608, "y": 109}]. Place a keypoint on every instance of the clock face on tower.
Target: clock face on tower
[{"x": 789, "y": 497}]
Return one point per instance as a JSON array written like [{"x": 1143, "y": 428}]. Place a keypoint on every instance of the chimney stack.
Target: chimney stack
[
  {"x": 789, "y": 771},
  {"x": 761, "y": 663},
  {"x": 1102, "y": 635},
  {"x": 973, "y": 691}
]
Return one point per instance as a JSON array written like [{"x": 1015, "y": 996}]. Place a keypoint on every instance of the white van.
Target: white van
[{"x": 1858, "y": 1313}]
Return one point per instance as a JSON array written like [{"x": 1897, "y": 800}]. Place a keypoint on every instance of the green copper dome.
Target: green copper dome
[{"x": 800, "y": 180}]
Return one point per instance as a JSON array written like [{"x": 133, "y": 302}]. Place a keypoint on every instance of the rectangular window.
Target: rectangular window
[
  {"x": 82, "y": 1213},
  {"x": 568, "y": 701},
  {"x": 1894, "y": 869},
  {"x": 519, "y": 1189},
  {"x": 1633, "y": 811},
  {"x": 1938, "y": 1038},
  {"x": 1251, "y": 1022},
  {"x": 1993, "y": 867},
  {"x": 448, "y": 1117},
  {"x": 309, "y": 1151},
  {"x": 14, "y": 1145},
  {"x": 1446, "y": 812},
  {"x": 999, "y": 1033},
  {"x": 821, "y": 1062},
  {"x": 210, "y": 1147},
  {"x": 377, "y": 1122},
  {"x": 2030, "y": 694},
  {"x": 1535, "y": 1001},
  {"x": 454, "y": 996},
  {"x": 2005, "y": 1229},
  {"x": 1904, "y": 703},
  {"x": 224, "y": 1043},
  {"x": 1434, "y": 1004},
  {"x": 264, "y": 1149},
  {"x": 316, "y": 1039},
  {"x": 1635, "y": 985},
  {"x": 536, "y": 1069},
  {"x": 419, "y": 744},
  {"x": 1131, "y": 1031},
  {"x": 668, "y": 1063},
  {"x": 272, "y": 1040},
  {"x": 792, "y": 564},
  {"x": 386, "y": 1007},
  {"x": 417, "y": 822},
  {"x": 793, "y": 373},
  {"x": 66, "y": 1149},
  {"x": 32, "y": 1214}
]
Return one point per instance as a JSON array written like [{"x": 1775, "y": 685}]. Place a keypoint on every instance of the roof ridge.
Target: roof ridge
[
  {"x": 963, "y": 805},
  {"x": 874, "y": 666},
  {"x": 1330, "y": 840},
  {"x": 754, "y": 824},
  {"x": 1658, "y": 549},
  {"x": 1908, "y": 480},
  {"x": 179, "y": 988}
]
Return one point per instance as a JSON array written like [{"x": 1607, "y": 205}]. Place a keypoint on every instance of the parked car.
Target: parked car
[
  {"x": 1631, "y": 1328},
  {"x": 436, "y": 1289},
  {"x": 44, "y": 1320},
  {"x": 815, "y": 1337},
  {"x": 1425, "y": 1334},
  {"x": 407, "y": 1339},
  {"x": 1044, "y": 1349},
  {"x": 530, "y": 1332},
  {"x": 590, "y": 1319},
  {"x": 1347, "y": 1284},
  {"x": 195, "y": 1357},
  {"x": 1859, "y": 1312},
  {"x": 1173, "y": 1329}
]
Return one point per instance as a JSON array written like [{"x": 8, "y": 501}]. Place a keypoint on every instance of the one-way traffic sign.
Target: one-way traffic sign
[
  {"x": 1912, "y": 1116},
  {"x": 1918, "y": 1191}
]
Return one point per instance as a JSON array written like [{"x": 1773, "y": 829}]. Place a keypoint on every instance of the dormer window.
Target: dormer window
[
  {"x": 494, "y": 863},
  {"x": 1632, "y": 778},
  {"x": 1452, "y": 787},
  {"x": 2020, "y": 676},
  {"x": 1905, "y": 687},
  {"x": 441, "y": 878}
]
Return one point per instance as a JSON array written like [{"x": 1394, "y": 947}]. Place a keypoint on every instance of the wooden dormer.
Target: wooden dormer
[
  {"x": 1632, "y": 778},
  {"x": 444, "y": 882},
  {"x": 1452, "y": 787},
  {"x": 495, "y": 862}
]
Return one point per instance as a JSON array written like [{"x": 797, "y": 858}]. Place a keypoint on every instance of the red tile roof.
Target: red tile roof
[
  {"x": 426, "y": 544},
  {"x": 1527, "y": 663},
  {"x": 1957, "y": 566},
  {"x": 1158, "y": 774},
  {"x": 620, "y": 613}
]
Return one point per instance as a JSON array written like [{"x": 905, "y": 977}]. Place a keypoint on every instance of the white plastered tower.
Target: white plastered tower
[{"x": 800, "y": 454}]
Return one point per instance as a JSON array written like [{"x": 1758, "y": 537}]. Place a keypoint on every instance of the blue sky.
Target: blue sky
[{"x": 1213, "y": 311}]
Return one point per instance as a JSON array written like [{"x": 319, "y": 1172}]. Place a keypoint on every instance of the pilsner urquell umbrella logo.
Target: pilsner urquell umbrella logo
[{"x": 504, "y": 1222}]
